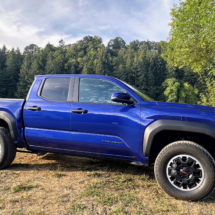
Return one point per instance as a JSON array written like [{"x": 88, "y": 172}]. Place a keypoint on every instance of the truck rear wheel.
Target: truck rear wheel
[
  {"x": 7, "y": 148},
  {"x": 185, "y": 170}
]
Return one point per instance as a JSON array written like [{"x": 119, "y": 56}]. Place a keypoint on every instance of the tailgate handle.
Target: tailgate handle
[
  {"x": 79, "y": 111},
  {"x": 34, "y": 108}
]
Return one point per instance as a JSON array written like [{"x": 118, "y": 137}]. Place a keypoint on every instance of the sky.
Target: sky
[{"x": 23, "y": 22}]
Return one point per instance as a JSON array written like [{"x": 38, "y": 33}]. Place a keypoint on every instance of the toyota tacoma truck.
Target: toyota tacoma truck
[{"x": 101, "y": 116}]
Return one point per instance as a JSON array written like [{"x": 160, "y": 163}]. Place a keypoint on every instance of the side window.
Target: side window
[
  {"x": 97, "y": 90},
  {"x": 56, "y": 89}
]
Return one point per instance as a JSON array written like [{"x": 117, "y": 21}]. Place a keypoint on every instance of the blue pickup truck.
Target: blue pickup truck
[{"x": 101, "y": 116}]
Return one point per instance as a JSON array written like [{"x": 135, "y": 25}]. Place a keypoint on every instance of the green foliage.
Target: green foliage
[
  {"x": 191, "y": 44},
  {"x": 192, "y": 35},
  {"x": 3, "y": 84},
  {"x": 188, "y": 94},
  {"x": 208, "y": 97},
  {"x": 31, "y": 49},
  {"x": 139, "y": 63},
  {"x": 176, "y": 91},
  {"x": 24, "y": 77},
  {"x": 117, "y": 43},
  {"x": 13, "y": 64},
  {"x": 172, "y": 88}
]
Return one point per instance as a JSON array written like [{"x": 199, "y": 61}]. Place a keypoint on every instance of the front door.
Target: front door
[
  {"x": 100, "y": 126},
  {"x": 47, "y": 114}
]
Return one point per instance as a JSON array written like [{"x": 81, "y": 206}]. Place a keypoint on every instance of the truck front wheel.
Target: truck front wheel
[
  {"x": 7, "y": 148},
  {"x": 185, "y": 170}
]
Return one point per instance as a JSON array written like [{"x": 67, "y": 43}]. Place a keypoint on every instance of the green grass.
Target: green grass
[
  {"x": 24, "y": 188},
  {"x": 118, "y": 210},
  {"x": 95, "y": 175},
  {"x": 6, "y": 188},
  {"x": 18, "y": 212},
  {"x": 121, "y": 190},
  {"x": 77, "y": 207},
  {"x": 105, "y": 190},
  {"x": 58, "y": 175}
]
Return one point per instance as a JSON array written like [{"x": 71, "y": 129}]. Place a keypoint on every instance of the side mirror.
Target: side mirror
[{"x": 122, "y": 98}]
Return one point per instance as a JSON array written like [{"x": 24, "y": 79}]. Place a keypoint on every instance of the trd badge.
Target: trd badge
[{"x": 108, "y": 141}]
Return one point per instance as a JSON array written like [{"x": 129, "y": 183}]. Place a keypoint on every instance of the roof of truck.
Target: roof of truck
[{"x": 72, "y": 75}]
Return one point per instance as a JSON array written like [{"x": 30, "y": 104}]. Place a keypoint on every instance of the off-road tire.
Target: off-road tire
[
  {"x": 8, "y": 148},
  {"x": 205, "y": 189}
]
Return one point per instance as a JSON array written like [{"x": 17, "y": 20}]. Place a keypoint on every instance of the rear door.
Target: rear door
[
  {"x": 100, "y": 126},
  {"x": 47, "y": 114}
]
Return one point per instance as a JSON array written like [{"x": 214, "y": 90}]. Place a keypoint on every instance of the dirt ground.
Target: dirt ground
[{"x": 62, "y": 184}]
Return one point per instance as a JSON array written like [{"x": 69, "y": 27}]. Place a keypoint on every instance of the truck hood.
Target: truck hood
[{"x": 185, "y": 106}]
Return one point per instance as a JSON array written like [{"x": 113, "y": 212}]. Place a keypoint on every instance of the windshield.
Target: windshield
[{"x": 140, "y": 93}]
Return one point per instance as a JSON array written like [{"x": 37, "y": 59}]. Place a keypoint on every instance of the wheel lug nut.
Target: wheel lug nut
[
  {"x": 174, "y": 165},
  {"x": 173, "y": 172}
]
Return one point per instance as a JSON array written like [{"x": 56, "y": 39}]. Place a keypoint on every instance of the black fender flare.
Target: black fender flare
[
  {"x": 173, "y": 125},
  {"x": 11, "y": 124}
]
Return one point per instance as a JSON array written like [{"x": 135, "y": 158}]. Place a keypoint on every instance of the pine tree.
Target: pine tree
[
  {"x": 31, "y": 49},
  {"x": 3, "y": 84},
  {"x": 3, "y": 74},
  {"x": 13, "y": 65},
  {"x": 3, "y": 57},
  {"x": 49, "y": 67},
  {"x": 23, "y": 86}
]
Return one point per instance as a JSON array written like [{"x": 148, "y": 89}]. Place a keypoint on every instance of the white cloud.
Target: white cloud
[
  {"x": 14, "y": 34},
  {"x": 23, "y": 22}
]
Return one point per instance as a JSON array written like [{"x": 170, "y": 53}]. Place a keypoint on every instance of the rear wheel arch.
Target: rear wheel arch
[
  {"x": 174, "y": 130},
  {"x": 6, "y": 120}
]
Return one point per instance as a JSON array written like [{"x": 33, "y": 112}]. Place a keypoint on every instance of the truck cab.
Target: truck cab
[{"x": 75, "y": 113}]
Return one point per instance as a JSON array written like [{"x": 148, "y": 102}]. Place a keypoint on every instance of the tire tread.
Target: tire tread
[{"x": 10, "y": 148}]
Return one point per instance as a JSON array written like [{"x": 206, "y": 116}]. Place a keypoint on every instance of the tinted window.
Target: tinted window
[
  {"x": 97, "y": 90},
  {"x": 56, "y": 89}
]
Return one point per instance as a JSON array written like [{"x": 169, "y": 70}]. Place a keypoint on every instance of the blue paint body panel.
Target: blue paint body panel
[
  {"x": 106, "y": 130},
  {"x": 108, "y": 119},
  {"x": 14, "y": 108},
  {"x": 48, "y": 138}
]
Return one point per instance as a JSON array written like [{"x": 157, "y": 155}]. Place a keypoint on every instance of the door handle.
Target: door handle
[
  {"x": 34, "y": 108},
  {"x": 79, "y": 111}
]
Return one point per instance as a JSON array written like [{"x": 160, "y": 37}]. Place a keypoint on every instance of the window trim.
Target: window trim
[
  {"x": 77, "y": 87},
  {"x": 70, "y": 90}
]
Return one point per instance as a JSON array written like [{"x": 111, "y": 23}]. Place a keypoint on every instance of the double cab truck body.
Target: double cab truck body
[{"x": 100, "y": 116}]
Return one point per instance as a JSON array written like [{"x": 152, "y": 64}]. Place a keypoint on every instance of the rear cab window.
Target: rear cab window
[{"x": 55, "y": 89}]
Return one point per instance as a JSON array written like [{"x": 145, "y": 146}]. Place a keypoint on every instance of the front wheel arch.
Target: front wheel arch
[{"x": 162, "y": 132}]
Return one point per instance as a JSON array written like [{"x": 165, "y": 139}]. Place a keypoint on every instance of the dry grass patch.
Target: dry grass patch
[{"x": 62, "y": 184}]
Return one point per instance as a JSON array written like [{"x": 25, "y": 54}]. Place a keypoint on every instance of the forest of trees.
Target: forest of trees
[{"x": 139, "y": 63}]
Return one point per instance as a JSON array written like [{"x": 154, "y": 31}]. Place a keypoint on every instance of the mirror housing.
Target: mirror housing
[{"x": 122, "y": 98}]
